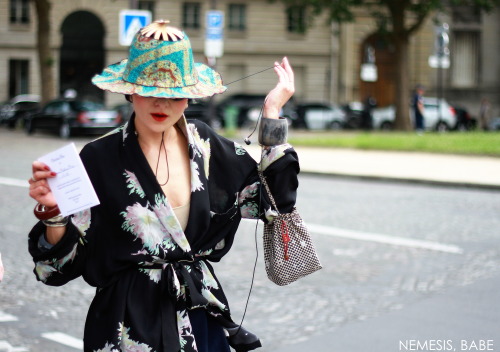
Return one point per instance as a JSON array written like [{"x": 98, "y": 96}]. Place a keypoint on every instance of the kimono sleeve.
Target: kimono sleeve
[
  {"x": 280, "y": 166},
  {"x": 62, "y": 262},
  {"x": 67, "y": 259}
]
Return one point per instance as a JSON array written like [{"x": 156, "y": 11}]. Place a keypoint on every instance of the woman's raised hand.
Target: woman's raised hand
[
  {"x": 283, "y": 91},
  {"x": 39, "y": 187}
]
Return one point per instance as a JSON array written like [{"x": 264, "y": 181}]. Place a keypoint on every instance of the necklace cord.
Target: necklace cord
[{"x": 162, "y": 144}]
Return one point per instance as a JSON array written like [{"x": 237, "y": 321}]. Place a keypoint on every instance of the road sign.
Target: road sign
[
  {"x": 369, "y": 72},
  {"x": 214, "y": 35},
  {"x": 439, "y": 61},
  {"x": 130, "y": 22}
]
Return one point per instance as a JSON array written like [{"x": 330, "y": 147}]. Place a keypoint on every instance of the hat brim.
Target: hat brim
[{"x": 209, "y": 83}]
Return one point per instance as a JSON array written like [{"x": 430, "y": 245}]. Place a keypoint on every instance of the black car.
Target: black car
[
  {"x": 354, "y": 114},
  {"x": 465, "y": 121},
  {"x": 18, "y": 108},
  {"x": 248, "y": 107},
  {"x": 67, "y": 116}
]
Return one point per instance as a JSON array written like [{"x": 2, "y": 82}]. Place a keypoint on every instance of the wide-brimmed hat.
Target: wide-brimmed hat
[{"x": 160, "y": 64}]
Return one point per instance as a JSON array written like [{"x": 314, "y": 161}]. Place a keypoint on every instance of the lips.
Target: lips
[{"x": 160, "y": 117}]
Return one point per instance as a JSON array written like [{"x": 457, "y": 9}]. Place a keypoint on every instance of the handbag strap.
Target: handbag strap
[{"x": 268, "y": 191}]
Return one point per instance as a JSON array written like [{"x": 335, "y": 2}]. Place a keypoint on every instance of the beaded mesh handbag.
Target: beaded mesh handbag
[{"x": 289, "y": 253}]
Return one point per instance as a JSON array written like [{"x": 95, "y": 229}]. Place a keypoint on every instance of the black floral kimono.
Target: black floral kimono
[{"x": 149, "y": 272}]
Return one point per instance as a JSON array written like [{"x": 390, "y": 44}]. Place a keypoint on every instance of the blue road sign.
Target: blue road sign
[
  {"x": 130, "y": 22},
  {"x": 215, "y": 25}
]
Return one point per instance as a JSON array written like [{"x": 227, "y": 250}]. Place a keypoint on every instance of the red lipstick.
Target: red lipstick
[{"x": 158, "y": 116}]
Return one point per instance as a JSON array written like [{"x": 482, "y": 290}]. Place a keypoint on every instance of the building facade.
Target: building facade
[{"x": 327, "y": 59}]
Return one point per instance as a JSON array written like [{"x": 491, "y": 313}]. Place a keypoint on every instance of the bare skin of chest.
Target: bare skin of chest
[{"x": 173, "y": 176}]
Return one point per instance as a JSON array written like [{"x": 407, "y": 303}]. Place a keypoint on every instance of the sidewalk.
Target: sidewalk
[{"x": 455, "y": 170}]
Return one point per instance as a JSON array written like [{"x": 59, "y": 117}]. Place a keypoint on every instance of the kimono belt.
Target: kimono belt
[{"x": 182, "y": 282}]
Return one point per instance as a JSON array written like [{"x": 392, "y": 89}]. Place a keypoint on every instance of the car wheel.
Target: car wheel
[
  {"x": 29, "y": 127},
  {"x": 386, "y": 126},
  {"x": 64, "y": 130},
  {"x": 442, "y": 127},
  {"x": 334, "y": 125}
]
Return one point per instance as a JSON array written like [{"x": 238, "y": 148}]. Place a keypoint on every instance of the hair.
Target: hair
[{"x": 128, "y": 98}]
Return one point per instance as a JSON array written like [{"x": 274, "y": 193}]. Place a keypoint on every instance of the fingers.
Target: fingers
[
  {"x": 285, "y": 75},
  {"x": 39, "y": 186},
  {"x": 288, "y": 68},
  {"x": 40, "y": 171},
  {"x": 283, "y": 91}
]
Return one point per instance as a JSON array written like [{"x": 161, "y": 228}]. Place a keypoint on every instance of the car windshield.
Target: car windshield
[{"x": 86, "y": 106}]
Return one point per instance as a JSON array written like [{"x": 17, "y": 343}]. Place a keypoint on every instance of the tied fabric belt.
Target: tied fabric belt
[{"x": 182, "y": 283}]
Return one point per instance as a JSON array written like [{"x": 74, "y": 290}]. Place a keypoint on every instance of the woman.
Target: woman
[{"x": 172, "y": 194}]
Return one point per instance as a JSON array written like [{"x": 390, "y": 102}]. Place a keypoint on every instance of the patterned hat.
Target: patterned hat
[{"x": 160, "y": 64}]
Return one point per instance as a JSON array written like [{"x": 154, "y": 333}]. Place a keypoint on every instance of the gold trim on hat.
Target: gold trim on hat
[{"x": 160, "y": 30}]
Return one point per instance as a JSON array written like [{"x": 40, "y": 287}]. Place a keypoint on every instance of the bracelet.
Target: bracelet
[
  {"x": 56, "y": 221},
  {"x": 44, "y": 213},
  {"x": 273, "y": 131}
]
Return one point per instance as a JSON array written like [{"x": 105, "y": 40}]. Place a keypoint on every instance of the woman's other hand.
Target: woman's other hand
[
  {"x": 39, "y": 187},
  {"x": 283, "y": 91}
]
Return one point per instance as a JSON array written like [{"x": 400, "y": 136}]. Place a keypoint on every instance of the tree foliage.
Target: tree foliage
[{"x": 398, "y": 20}]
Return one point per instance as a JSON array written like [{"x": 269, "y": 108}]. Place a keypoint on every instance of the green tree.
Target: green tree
[
  {"x": 45, "y": 59},
  {"x": 398, "y": 20}
]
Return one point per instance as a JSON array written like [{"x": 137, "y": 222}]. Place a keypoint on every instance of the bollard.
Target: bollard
[{"x": 230, "y": 119}]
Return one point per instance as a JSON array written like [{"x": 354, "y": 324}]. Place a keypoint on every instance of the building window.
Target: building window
[
  {"x": 296, "y": 19},
  {"x": 18, "y": 77},
  {"x": 19, "y": 11},
  {"x": 191, "y": 15},
  {"x": 148, "y": 5},
  {"x": 237, "y": 17},
  {"x": 465, "y": 59}
]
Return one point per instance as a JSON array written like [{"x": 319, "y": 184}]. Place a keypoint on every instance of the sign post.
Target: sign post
[
  {"x": 214, "y": 38},
  {"x": 130, "y": 22},
  {"x": 368, "y": 68},
  {"x": 441, "y": 58}
]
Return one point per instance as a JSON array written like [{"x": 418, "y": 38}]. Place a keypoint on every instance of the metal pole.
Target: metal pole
[
  {"x": 133, "y": 4},
  {"x": 440, "y": 85}
]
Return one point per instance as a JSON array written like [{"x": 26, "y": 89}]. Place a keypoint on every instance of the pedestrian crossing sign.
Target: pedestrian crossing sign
[{"x": 130, "y": 22}]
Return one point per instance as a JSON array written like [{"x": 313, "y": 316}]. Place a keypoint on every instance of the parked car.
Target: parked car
[
  {"x": 354, "y": 114},
  {"x": 249, "y": 107},
  {"x": 465, "y": 121},
  {"x": 439, "y": 117},
  {"x": 18, "y": 108},
  {"x": 494, "y": 124},
  {"x": 66, "y": 117},
  {"x": 318, "y": 116}
]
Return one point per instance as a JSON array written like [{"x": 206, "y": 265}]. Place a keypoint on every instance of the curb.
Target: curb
[{"x": 436, "y": 183}]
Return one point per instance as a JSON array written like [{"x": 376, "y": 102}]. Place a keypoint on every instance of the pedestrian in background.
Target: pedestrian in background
[
  {"x": 366, "y": 115},
  {"x": 418, "y": 108},
  {"x": 484, "y": 114},
  {"x": 172, "y": 193}
]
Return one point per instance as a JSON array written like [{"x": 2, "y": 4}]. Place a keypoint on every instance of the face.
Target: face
[{"x": 157, "y": 114}]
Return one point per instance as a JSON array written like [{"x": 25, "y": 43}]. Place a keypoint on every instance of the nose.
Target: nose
[{"x": 161, "y": 101}]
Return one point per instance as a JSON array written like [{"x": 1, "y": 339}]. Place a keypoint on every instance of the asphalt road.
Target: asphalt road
[{"x": 406, "y": 267}]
